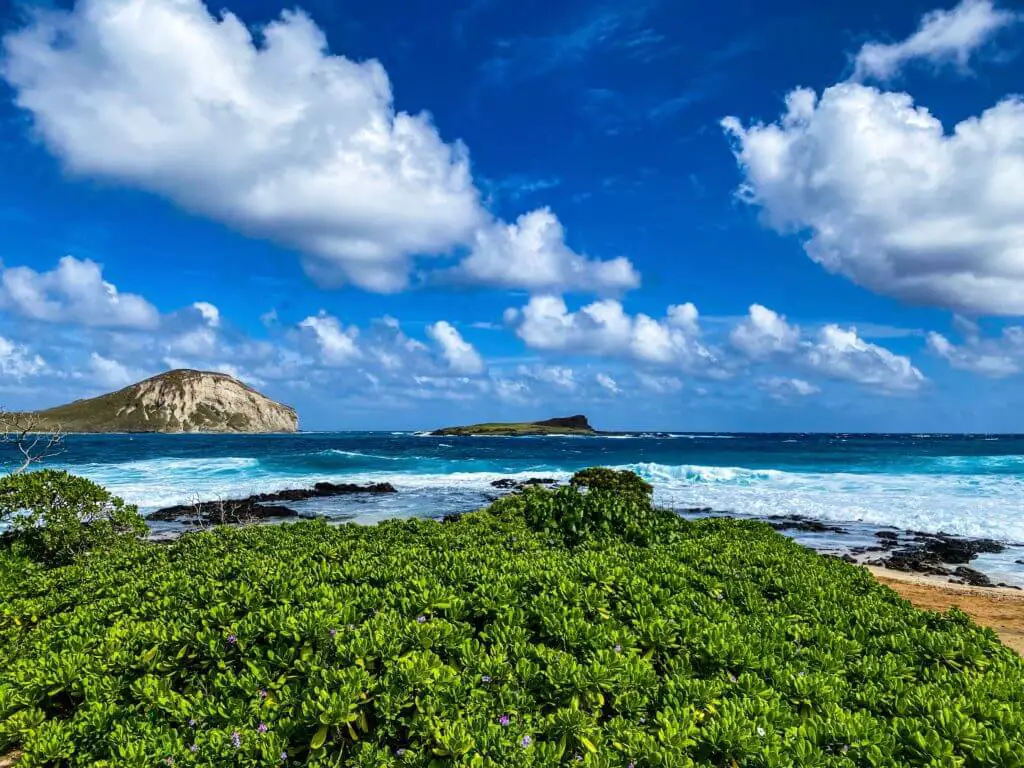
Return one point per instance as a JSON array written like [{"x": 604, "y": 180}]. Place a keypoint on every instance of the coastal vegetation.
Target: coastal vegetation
[{"x": 575, "y": 626}]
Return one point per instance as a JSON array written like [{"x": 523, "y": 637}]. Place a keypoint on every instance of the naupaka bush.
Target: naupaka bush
[{"x": 504, "y": 638}]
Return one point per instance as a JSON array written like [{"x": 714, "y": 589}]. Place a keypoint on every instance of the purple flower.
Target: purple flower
[
  {"x": 578, "y": 757},
  {"x": 263, "y": 694},
  {"x": 733, "y": 678},
  {"x": 192, "y": 723},
  {"x": 485, "y": 678},
  {"x": 284, "y": 756},
  {"x": 643, "y": 720},
  {"x": 261, "y": 728},
  {"x": 420, "y": 619},
  {"x": 630, "y": 764},
  {"x": 236, "y": 739},
  {"x": 504, "y": 719},
  {"x": 232, "y": 639},
  {"x": 194, "y": 748},
  {"x": 400, "y": 751},
  {"x": 526, "y": 741},
  {"x": 618, "y": 648},
  {"x": 332, "y": 632}
]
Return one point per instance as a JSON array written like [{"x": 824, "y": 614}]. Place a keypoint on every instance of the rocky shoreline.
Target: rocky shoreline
[
  {"x": 261, "y": 506},
  {"x": 913, "y": 552}
]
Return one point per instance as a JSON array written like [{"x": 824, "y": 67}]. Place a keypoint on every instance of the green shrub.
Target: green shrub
[
  {"x": 605, "y": 479},
  {"x": 485, "y": 642},
  {"x": 57, "y": 516}
]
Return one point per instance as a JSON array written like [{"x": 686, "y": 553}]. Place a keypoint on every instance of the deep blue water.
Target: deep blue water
[{"x": 966, "y": 484}]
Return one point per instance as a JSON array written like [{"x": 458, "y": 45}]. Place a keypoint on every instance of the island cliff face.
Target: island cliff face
[
  {"x": 566, "y": 425},
  {"x": 177, "y": 401}
]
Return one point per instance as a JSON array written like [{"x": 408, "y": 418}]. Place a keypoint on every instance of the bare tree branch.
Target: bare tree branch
[{"x": 33, "y": 442}]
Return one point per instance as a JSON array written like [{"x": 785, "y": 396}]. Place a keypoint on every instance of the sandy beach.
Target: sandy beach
[{"x": 996, "y": 607}]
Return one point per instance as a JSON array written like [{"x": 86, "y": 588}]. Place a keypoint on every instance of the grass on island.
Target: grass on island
[
  {"x": 570, "y": 425},
  {"x": 579, "y": 626}
]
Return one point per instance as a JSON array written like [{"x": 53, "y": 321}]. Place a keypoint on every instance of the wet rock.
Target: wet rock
[
  {"x": 892, "y": 535},
  {"x": 1008, "y": 586},
  {"x": 797, "y": 523},
  {"x": 965, "y": 575},
  {"x": 222, "y": 512},
  {"x": 510, "y": 484},
  {"x": 260, "y": 506}
]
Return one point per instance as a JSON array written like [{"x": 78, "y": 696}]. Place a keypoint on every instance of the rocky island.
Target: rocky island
[
  {"x": 567, "y": 425},
  {"x": 182, "y": 400}
]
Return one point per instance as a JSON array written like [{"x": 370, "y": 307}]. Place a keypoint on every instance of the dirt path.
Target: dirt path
[{"x": 998, "y": 608}]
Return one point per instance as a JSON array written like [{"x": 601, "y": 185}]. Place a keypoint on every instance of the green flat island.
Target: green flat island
[{"x": 568, "y": 425}]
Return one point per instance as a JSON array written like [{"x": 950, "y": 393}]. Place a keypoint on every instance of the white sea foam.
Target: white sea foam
[{"x": 969, "y": 505}]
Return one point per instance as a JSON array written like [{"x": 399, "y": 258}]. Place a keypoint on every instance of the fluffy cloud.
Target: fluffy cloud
[
  {"x": 110, "y": 373},
  {"x": 337, "y": 344},
  {"x": 607, "y": 383},
  {"x": 884, "y": 194},
  {"x": 662, "y": 385},
  {"x": 17, "y": 361},
  {"x": 893, "y": 202},
  {"x": 942, "y": 36},
  {"x": 73, "y": 292},
  {"x": 837, "y": 353},
  {"x": 531, "y": 254},
  {"x": 273, "y": 136},
  {"x": 764, "y": 333},
  {"x": 604, "y": 328},
  {"x": 459, "y": 353},
  {"x": 996, "y": 358},
  {"x": 782, "y": 388},
  {"x": 558, "y": 376}
]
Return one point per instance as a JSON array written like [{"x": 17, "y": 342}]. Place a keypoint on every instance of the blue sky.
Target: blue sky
[{"x": 760, "y": 216}]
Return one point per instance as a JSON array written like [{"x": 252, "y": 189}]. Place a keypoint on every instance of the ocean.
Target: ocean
[{"x": 969, "y": 485}]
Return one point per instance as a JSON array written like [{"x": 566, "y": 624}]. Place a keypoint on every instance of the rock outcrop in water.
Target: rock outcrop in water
[
  {"x": 260, "y": 506},
  {"x": 566, "y": 425},
  {"x": 181, "y": 400}
]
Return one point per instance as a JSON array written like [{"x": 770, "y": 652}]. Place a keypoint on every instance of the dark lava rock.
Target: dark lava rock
[
  {"x": 974, "y": 578},
  {"x": 1019, "y": 562},
  {"x": 797, "y": 523},
  {"x": 257, "y": 507},
  {"x": 1008, "y": 586},
  {"x": 887, "y": 535},
  {"x": 218, "y": 512},
  {"x": 509, "y": 484},
  {"x": 930, "y": 553}
]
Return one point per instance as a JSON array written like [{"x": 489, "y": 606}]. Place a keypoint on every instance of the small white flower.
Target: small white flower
[{"x": 760, "y": 731}]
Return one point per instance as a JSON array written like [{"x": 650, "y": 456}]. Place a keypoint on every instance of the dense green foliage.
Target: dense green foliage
[
  {"x": 57, "y": 516},
  {"x": 489, "y": 642},
  {"x": 605, "y": 479}
]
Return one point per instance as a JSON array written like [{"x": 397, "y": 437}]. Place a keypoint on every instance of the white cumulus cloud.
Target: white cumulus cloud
[
  {"x": 532, "y": 254},
  {"x": 110, "y": 373},
  {"x": 272, "y": 135},
  {"x": 460, "y": 355},
  {"x": 604, "y": 328},
  {"x": 336, "y": 344},
  {"x": 892, "y": 201},
  {"x": 782, "y": 388},
  {"x": 942, "y": 36},
  {"x": 606, "y": 382},
  {"x": 764, "y": 333},
  {"x": 993, "y": 357},
  {"x": 17, "y": 361},
  {"x": 73, "y": 292}
]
